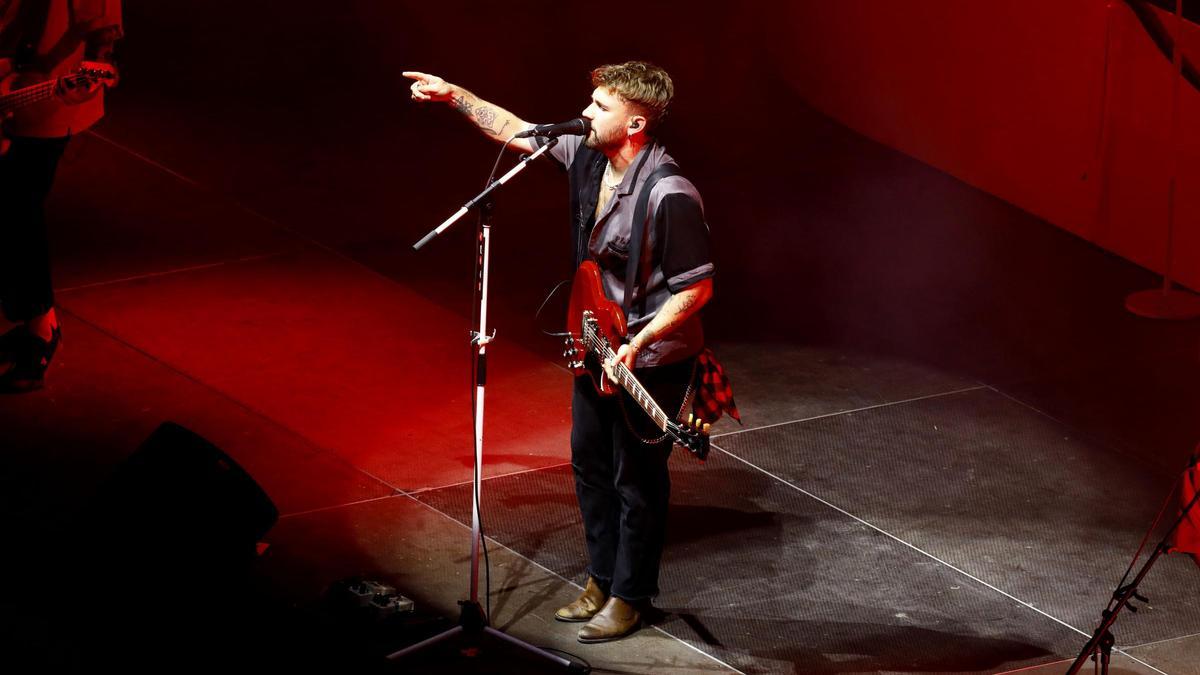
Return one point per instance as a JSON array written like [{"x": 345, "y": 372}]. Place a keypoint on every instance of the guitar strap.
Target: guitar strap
[{"x": 634, "y": 272}]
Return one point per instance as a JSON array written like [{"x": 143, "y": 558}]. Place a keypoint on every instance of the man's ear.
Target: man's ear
[{"x": 637, "y": 124}]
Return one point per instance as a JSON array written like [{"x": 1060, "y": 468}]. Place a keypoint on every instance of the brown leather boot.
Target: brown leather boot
[
  {"x": 585, "y": 606},
  {"x": 616, "y": 620}
]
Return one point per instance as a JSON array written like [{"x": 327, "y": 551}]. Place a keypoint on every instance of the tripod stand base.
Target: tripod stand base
[
  {"x": 473, "y": 623},
  {"x": 1159, "y": 304}
]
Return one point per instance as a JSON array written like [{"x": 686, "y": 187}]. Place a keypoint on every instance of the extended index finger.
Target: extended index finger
[{"x": 414, "y": 75}]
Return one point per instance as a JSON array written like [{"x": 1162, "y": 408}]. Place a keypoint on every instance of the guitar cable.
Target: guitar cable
[{"x": 538, "y": 314}]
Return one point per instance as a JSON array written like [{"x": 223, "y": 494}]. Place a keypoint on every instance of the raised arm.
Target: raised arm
[{"x": 495, "y": 122}]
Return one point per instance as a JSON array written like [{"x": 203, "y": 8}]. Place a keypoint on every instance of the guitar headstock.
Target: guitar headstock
[
  {"x": 96, "y": 70},
  {"x": 692, "y": 436},
  {"x": 89, "y": 73}
]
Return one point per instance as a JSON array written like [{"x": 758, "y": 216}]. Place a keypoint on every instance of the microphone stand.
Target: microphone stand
[
  {"x": 473, "y": 621},
  {"x": 1102, "y": 639}
]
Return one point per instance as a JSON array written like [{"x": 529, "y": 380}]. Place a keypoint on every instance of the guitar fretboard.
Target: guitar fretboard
[
  {"x": 27, "y": 95},
  {"x": 625, "y": 378}
]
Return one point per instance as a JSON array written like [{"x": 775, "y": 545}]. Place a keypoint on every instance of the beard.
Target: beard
[{"x": 610, "y": 141}]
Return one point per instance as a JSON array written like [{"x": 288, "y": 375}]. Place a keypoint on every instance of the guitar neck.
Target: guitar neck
[
  {"x": 630, "y": 383},
  {"x": 27, "y": 95}
]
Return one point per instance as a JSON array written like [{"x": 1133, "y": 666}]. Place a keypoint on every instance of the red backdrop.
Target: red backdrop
[{"x": 1007, "y": 96}]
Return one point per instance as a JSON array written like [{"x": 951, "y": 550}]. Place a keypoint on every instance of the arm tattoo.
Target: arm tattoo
[
  {"x": 678, "y": 308},
  {"x": 685, "y": 303},
  {"x": 485, "y": 117}
]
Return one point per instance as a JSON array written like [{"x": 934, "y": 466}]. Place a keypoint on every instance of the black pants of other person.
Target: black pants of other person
[
  {"x": 26, "y": 175},
  {"x": 622, "y": 482}
]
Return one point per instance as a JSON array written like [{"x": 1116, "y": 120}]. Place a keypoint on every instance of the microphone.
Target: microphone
[{"x": 580, "y": 126}]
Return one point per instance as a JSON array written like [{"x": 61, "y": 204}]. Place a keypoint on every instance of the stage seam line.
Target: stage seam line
[
  {"x": 179, "y": 270},
  {"x": 552, "y": 573},
  {"x": 502, "y": 475},
  {"x": 1166, "y": 472},
  {"x": 926, "y": 553},
  {"x": 1159, "y": 642},
  {"x": 145, "y": 159},
  {"x": 332, "y": 507},
  {"x": 238, "y": 402},
  {"x": 847, "y": 412},
  {"x": 1028, "y": 668}
]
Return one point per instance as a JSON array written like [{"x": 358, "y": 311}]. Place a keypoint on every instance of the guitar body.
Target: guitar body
[
  {"x": 587, "y": 294},
  {"x": 595, "y": 329},
  {"x": 18, "y": 90}
]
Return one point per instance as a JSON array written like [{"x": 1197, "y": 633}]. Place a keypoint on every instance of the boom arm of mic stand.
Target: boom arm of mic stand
[{"x": 462, "y": 211}]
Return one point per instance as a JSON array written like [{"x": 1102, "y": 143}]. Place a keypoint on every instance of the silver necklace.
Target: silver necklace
[{"x": 608, "y": 176}]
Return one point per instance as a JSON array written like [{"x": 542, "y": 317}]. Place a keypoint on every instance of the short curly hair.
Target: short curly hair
[{"x": 642, "y": 84}]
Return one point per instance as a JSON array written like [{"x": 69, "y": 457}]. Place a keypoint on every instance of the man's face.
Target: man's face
[{"x": 610, "y": 120}]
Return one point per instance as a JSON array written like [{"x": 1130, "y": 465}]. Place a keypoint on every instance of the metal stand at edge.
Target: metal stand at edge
[{"x": 1102, "y": 641}]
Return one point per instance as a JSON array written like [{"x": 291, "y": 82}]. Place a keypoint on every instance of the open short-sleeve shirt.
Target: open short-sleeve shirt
[{"x": 677, "y": 236}]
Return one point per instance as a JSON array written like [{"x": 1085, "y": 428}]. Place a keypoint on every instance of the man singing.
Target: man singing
[{"x": 619, "y": 457}]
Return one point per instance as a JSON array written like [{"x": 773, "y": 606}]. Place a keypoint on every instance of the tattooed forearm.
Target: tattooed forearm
[
  {"x": 686, "y": 302},
  {"x": 489, "y": 118},
  {"x": 678, "y": 308},
  {"x": 485, "y": 117}
]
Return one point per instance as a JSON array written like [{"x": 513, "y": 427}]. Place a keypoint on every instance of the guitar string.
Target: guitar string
[
  {"x": 622, "y": 370},
  {"x": 628, "y": 380},
  {"x": 658, "y": 415},
  {"x": 36, "y": 92},
  {"x": 30, "y": 95}
]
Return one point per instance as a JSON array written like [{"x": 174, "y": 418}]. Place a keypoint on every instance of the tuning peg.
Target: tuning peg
[{"x": 707, "y": 426}]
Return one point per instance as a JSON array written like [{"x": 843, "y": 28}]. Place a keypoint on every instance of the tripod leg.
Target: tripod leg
[
  {"x": 425, "y": 643},
  {"x": 528, "y": 647}
]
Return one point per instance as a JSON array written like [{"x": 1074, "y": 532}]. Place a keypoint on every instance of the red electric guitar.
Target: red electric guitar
[
  {"x": 595, "y": 324},
  {"x": 85, "y": 76}
]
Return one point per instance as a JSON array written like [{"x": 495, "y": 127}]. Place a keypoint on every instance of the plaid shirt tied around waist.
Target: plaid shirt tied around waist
[{"x": 714, "y": 394}]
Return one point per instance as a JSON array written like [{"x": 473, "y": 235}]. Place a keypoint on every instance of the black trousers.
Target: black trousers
[
  {"x": 26, "y": 175},
  {"x": 622, "y": 482}
]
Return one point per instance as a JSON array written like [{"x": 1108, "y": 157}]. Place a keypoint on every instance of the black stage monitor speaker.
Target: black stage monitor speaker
[{"x": 180, "y": 500}]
